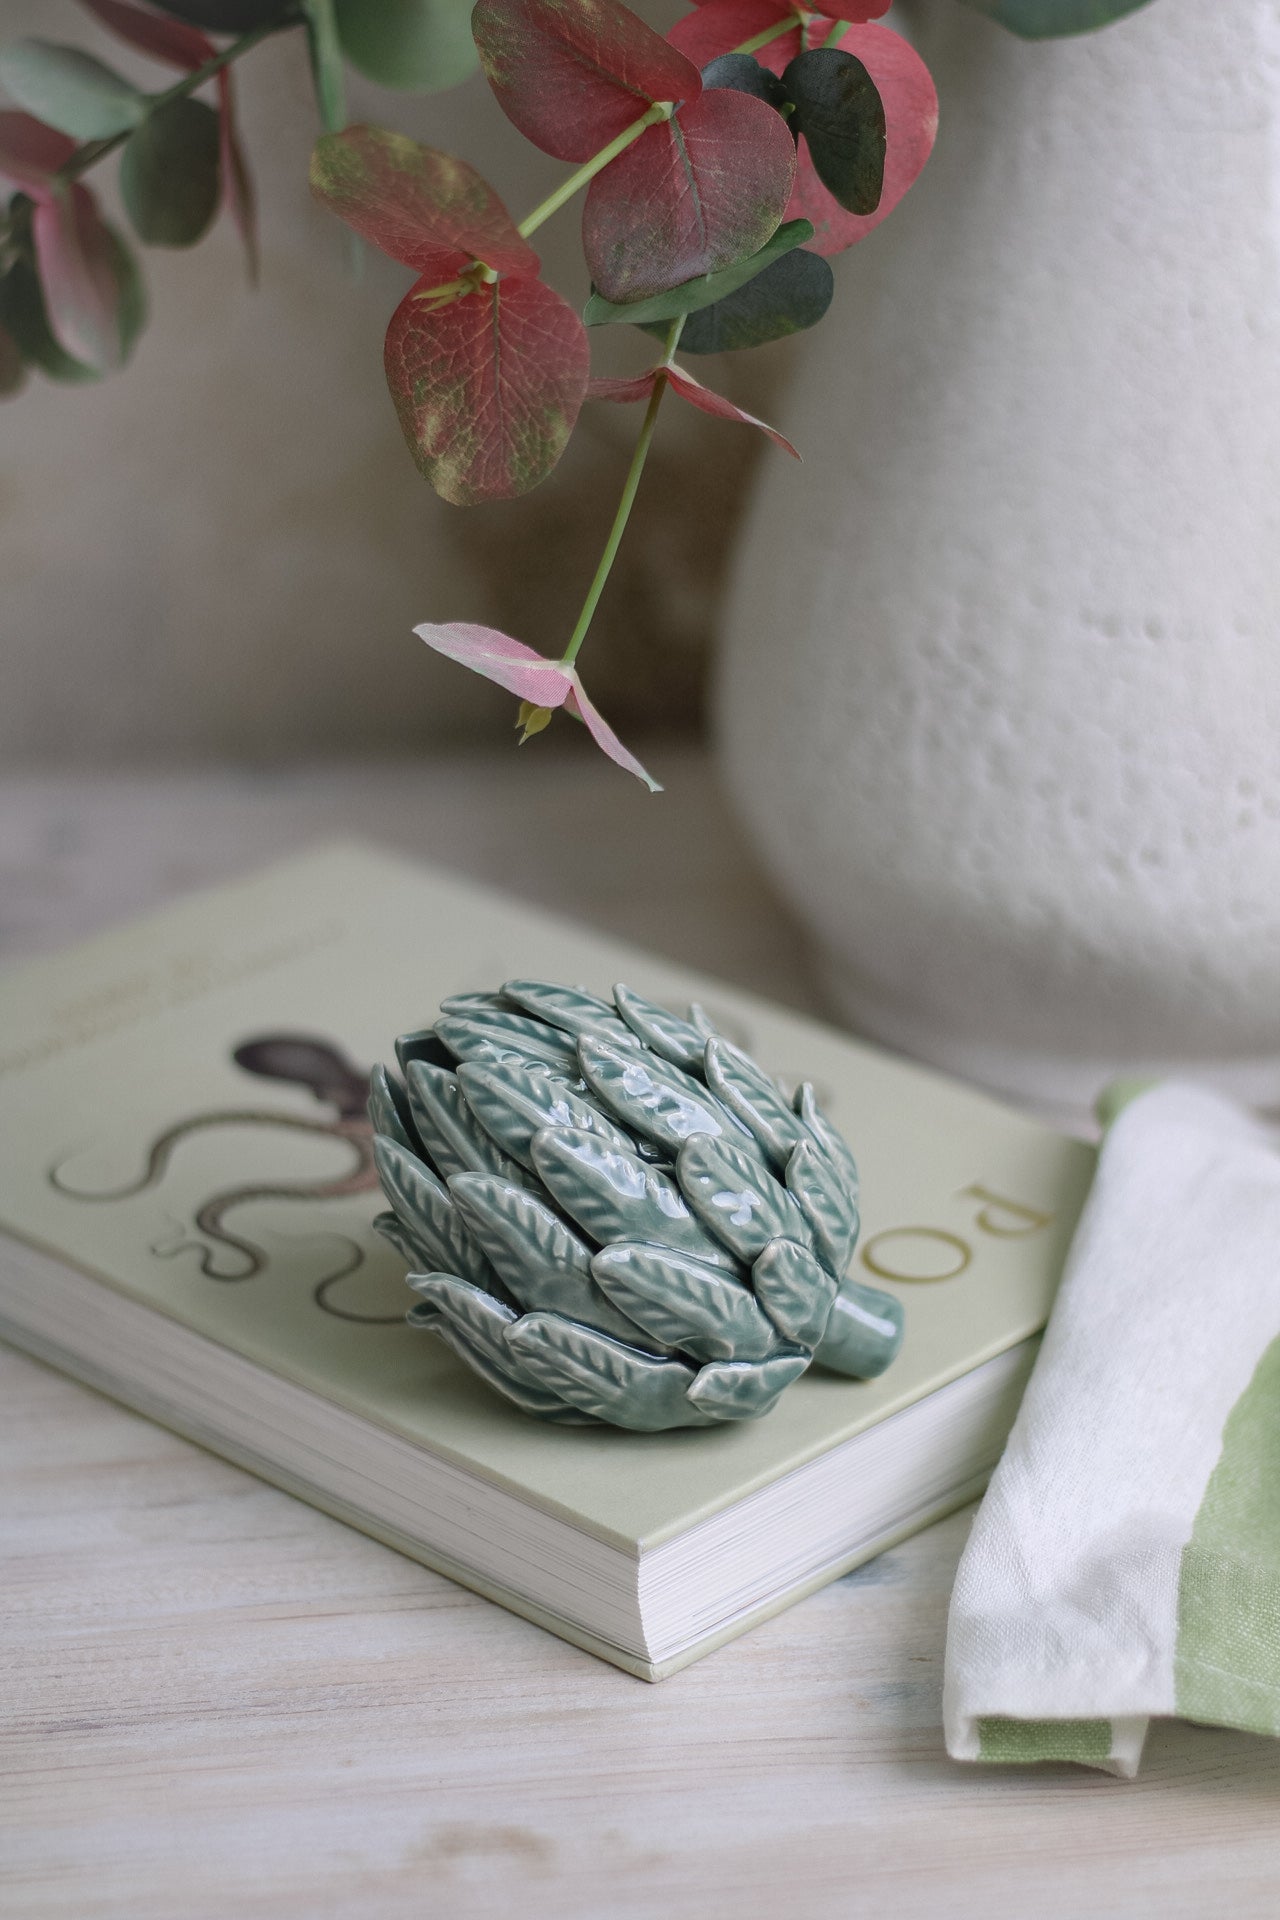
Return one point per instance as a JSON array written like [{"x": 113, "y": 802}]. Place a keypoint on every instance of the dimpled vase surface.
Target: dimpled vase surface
[
  {"x": 614, "y": 1215},
  {"x": 1006, "y": 726}
]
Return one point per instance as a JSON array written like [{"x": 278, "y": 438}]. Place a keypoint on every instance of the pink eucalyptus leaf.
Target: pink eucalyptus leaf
[
  {"x": 623, "y": 390},
  {"x": 163, "y": 38},
  {"x": 487, "y": 385},
  {"x": 77, "y": 261},
  {"x": 238, "y": 194},
  {"x": 906, "y": 87},
  {"x": 721, "y": 25},
  {"x": 573, "y": 74},
  {"x": 31, "y": 153},
  {"x": 422, "y": 207},
  {"x": 690, "y": 196},
  {"x": 715, "y": 403},
  {"x": 605, "y": 737},
  {"x": 507, "y": 662}
]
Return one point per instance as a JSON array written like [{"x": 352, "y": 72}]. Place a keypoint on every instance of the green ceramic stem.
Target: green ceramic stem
[
  {"x": 625, "y": 504},
  {"x": 864, "y": 1332}
]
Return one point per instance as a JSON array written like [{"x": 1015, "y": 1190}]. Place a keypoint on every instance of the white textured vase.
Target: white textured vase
[{"x": 1000, "y": 691}]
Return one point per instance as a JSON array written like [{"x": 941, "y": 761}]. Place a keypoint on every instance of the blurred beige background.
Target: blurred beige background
[{"x": 222, "y": 550}]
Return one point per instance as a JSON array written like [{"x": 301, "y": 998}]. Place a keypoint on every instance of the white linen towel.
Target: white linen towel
[{"x": 1125, "y": 1562}]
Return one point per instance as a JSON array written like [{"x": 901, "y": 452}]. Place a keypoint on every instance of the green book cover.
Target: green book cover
[{"x": 147, "y": 1139}]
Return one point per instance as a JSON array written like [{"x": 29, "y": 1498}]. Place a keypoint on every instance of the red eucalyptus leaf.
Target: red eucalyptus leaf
[
  {"x": 162, "y": 38},
  {"x": 573, "y": 74},
  {"x": 487, "y": 386},
  {"x": 641, "y": 385},
  {"x": 721, "y": 25},
  {"x": 31, "y": 153},
  {"x": 535, "y": 680},
  {"x": 691, "y": 195},
  {"x": 237, "y": 182},
  {"x": 902, "y": 80},
  {"x": 424, "y": 208},
  {"x": 78, "y": 263}
]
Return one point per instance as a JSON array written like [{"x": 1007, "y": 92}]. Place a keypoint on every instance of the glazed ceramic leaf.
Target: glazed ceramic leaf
[
  {"x": 1043, "y": 19},
  {"x": 733, "y": 1390},
  {"x": 389, "y": 1110},
  {"x": 617, "y": 1196},
  {"x": 573, "y": 74},
  {"x": 465, "y": 1034},
  {"x": 424, "y": 208},
  {"x": 421, "y": 45},
  {"x": 599, "y": 1375},
  {"x": 487, "y": 386},
  {"x": 428, "y": 1215},
  {"x": 169, "y": 174},
  {"x": 450, "y": 1131},
  {"x": 684, "y": 1302},
  {"x": 650, "y": 1096},
  {"x": 737, "y": 1198},
  {"x": 425, "y": 1044},
  {"x": 692, "y": 195},
  {"x": 507, "y": 1379},
  {"x": 795, "y": 1291},
  {"x": 841, "y": 117},
  {"x": 470, "y": 1309},
  {"x": 790, "y": 295},
  {"x": 69, "y": 90},
  {"x": 572, "y": 1009},
  {"x": 752, "y": 1097},
  {"x": 513, "y": 1102},
  {"x": 666, "y": 1033},
  {"x": 830, "y": 1139},
  {"x": 701, "y": 292},
  {"x": 814, "y": 1184}
]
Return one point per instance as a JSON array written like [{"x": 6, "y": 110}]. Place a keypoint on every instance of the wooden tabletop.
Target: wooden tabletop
[{"x": 218, "y": 1704}]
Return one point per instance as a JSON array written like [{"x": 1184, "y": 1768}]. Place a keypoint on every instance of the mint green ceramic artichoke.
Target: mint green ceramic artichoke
[{"x": 613, "y": 1214}]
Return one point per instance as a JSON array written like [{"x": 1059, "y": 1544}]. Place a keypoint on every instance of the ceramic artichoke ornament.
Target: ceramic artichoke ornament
[{"x": 613, "y": 1214}]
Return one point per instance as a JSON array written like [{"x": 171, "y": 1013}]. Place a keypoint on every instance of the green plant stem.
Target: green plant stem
[
  {"x": 660, "y": 110},
  {"x": 629, "y": 490},
  {"x": 775, "y": 32},
  {"x": 839, "y": 28},
  {"x": 94, "y": 150}
]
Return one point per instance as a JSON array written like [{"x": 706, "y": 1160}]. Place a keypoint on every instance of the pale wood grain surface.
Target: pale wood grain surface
[{"x": 219, "y": 1703}]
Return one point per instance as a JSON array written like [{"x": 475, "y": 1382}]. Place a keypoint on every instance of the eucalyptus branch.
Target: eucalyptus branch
[{"x": 89, "y": 155}]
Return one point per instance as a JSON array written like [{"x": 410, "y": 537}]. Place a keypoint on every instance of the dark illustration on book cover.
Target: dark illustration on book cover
[{"x": 337, "y": 1085}]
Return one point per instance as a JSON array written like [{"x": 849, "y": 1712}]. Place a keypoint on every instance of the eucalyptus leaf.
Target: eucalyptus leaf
[
  {"x": 419, "y": 45},
  {"x": 22, "y": 314},
  {"x": 839, "y": 111},
  {"x": 326, "y": 63},
  {"x": 693, "y": 295},
  {"x": 1046, "y": 19},
  {"x": 70, "y": 90},
  {"x": 743, "y": 73},
  {"x": 170, "y": 178},
  {"x": 790, "y": 295},
  {"x": 226, "y": 16}
]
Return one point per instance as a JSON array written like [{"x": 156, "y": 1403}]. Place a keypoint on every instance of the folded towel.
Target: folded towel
[{"x": 1126, "y": 1560}]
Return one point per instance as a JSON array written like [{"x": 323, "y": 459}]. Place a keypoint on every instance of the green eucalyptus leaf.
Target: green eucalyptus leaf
[
  {"x": 1046, "y": 19},
  {"x": 841, "y": 115},
  {"x": 69, "y": 90},
  {"x": 420, "y": 45},
  {"x": 170, "y": 179},
  {"x": 790, "y": 295},
  {"x": 693, "y": 295}
]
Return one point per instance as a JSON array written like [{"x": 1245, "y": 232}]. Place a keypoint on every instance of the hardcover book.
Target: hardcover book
[{"x": 186, "y": 1196}]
